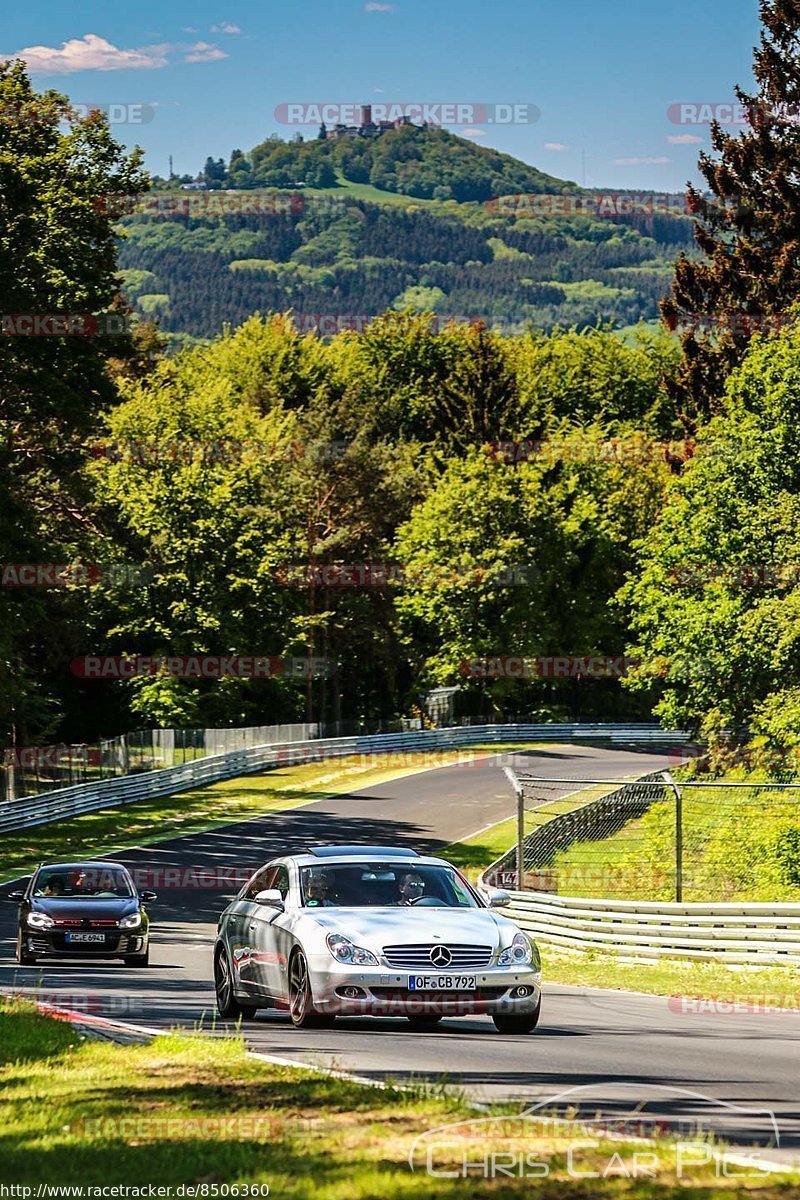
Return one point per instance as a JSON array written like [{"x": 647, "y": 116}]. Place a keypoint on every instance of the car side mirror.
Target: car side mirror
[
  {"x": 15, "y": 897},
  {"x": 497, "y": 897},
  {"x": 270, "y": 898},
  {"x": 147, "y": 897}
]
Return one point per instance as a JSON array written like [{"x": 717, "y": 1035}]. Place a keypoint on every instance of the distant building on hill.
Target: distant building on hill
[{"x": 367, "y": 127}]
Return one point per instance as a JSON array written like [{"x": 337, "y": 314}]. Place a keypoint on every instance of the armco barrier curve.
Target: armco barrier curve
[
  {"x": 737, "y": 933},
  {"x": 42, "y": 809}
]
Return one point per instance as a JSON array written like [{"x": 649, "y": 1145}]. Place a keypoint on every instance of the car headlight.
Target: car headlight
[
  {"x": 344, "y": 951},
  {"x": 40, "y": 920},
  {"x": 131, "y": 922},
  {"x": 519, "y": 954}
]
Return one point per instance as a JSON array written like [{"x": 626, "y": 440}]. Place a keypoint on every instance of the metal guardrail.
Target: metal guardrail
[
  {"x": 746, "y": 933},
  {"x": 55, "y": 805},
  {"x": 737, "y": 933}
]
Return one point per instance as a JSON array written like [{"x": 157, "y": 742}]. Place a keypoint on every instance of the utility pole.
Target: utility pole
[{"x": 171, "y": 172}]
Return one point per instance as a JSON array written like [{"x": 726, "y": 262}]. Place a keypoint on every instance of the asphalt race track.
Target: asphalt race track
[{"x": 726, "y": 1071}]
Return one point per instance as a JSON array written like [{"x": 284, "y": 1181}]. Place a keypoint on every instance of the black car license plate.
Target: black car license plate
[
  {"x": 442, "y": 983},
  {"x": 97, "y": 938}
]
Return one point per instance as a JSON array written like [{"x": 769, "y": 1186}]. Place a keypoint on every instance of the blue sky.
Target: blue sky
[{"x": 602, "y": 76}]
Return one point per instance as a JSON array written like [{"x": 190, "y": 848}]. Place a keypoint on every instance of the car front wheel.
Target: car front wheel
[
  {"x": 138, "y": 960},
  {"x": 227, "y": 1004},
  {"x": 517, "y": 1022},
  {"x": 422, "y": 1023},
  {"x": 301, "y": 1001},
  {"x": 24, "y": 957}
]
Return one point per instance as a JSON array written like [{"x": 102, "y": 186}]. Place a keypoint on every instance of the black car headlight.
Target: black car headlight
[
  {"x": 39, "y": 920},
  {"x": 133, "y": 921}
]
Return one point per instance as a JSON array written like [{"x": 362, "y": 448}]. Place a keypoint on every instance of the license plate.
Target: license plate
[
  {"x": 86, "y": 937},
  {"x": 442, "y": 983}
]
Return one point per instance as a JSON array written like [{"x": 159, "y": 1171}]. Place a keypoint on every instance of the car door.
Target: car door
[
  {"x": 240, "y": 930},
  {"x": 269, "y": 936}
]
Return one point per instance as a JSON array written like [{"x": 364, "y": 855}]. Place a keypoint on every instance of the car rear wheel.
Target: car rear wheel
[
  {"x": 517, "y": 1022},
  {"x": 301, "y": 1001},
  {"x": 227, "y": 1004},
  {"x": 24, "y": 957}
]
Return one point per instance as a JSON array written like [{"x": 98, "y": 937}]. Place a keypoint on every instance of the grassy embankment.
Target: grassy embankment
[
  {"x": 615, "y": 860},
  {"x": 191, "y": 1110}
]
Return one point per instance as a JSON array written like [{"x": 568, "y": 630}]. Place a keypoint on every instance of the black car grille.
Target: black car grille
[
  {"x": 403, "y": 994},
  {"x": 418, "y": 957}
]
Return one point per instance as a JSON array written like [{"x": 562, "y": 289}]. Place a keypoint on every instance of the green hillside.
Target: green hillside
[
  {"x": 426, "y": 163},
  {"x": 404, "y": 219}
]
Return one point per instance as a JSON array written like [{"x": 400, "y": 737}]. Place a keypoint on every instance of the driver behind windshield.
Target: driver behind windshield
[
  {"x": 318, "y": 891},
  {"x": 411, "y": 888}
]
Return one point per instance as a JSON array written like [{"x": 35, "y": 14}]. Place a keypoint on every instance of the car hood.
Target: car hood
[
  {"x": 73, "y": 907},
  {"x": 374, "y": 928}
]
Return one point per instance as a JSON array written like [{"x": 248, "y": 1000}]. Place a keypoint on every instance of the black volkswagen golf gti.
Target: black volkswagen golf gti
[{"x": 82, "y": 911}]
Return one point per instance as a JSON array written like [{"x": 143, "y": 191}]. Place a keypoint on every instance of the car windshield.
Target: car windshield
[
  {"x": 86, "y": 883},
  {"x": 382, "y": 885}
]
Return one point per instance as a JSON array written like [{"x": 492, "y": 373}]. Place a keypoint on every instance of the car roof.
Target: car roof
[
  {"x": 384, "y": 851},
  {"x": 361, "y": 854},
  {"x": 81, "y": 865}
]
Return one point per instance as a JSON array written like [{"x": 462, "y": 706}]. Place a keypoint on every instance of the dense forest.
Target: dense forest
[
  {"x": 415, "y": 503},
  {"x": 348, "y": 259}
]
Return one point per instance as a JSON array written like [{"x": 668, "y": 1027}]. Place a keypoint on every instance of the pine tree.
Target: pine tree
[{"x": 748, "y": 228}]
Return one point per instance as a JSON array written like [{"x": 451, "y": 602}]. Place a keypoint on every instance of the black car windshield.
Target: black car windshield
[
  {"x": 381, "y": 885},
  {"x": 86, "y": 883}
]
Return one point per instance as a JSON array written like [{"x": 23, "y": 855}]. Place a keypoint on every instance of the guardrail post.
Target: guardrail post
[
  {"x": 678, "y": 837},
  {"x": 517, "y": 786}
]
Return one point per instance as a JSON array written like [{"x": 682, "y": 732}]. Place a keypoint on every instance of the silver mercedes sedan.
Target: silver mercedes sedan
[{"x": 373, "y": 931}]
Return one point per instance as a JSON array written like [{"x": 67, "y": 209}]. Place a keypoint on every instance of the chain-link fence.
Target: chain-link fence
[
  {"x": 30, "y": 770},
  {"x": 656, "y": 839}
]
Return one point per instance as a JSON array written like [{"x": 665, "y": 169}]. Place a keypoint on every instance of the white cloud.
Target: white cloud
[
  {"x": 203, "y": 52},
  {"x": 373, "y": 6},
  {"x": 188, "y": 29},
  {"x": 378, "y": 90},
  {"x": 225, "y": 27},
  {"x": 684, "y": 139},
  {"x": 89, "y": 53},
  {"x": 93, "y": 53},
  {"x": 647, "y": 161},
  {"x": 558, "y": 147},
  {"x": 473, "y": 133}
]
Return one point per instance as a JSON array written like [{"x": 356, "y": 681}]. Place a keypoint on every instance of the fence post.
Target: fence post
[
  {"x": 678, "y": 837},
  {"x": 517, "y": 786}
]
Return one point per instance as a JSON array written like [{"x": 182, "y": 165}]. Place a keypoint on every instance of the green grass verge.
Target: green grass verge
[
  {"x": 191, "y": 1110},
  {"x": 773, "y": 987},
  {"x": 150, "y": 821}
]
